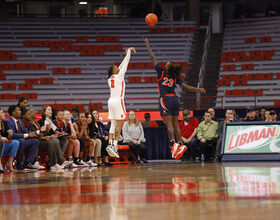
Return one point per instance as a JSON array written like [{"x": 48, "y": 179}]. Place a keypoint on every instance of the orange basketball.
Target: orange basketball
[{"x": 151, "y": 19}]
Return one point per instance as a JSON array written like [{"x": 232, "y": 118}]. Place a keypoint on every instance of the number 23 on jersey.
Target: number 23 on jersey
[{"x": 168, "y": 82}]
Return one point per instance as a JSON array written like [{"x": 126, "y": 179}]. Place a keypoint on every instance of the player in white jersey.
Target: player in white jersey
[{"x": 117, "y": 112}]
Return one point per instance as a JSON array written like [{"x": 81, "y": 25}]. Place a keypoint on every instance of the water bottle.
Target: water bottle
[{"x": 202, "y": 157}]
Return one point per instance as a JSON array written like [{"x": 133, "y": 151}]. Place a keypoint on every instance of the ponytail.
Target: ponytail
[{"x": 174, "y": 69}]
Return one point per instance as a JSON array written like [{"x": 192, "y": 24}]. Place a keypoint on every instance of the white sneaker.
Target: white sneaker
[
  {"x": 75, "y": 165},
  {"x": 91, "y": 163},
  {"x": 56, "y": 168},
  {"x": 112, "y": 151},
  {"x": 175, "y": 149},
  {"x": 83, "y": 164},
  {"x": 38, "y": 166}
]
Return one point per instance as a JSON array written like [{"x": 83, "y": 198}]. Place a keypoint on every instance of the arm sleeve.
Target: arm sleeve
[
  {"x": 142, "y": 138},
  {"x": 179, "y": 80},
  {"x": 220, "y": 130},
  {"x": 13, "y": 128},
  {"x": 159, "y": 70},
  {"x": 125, "y": 134},
  {"x": 124, "y": 64},
  {"x": 216, "y": 128}
]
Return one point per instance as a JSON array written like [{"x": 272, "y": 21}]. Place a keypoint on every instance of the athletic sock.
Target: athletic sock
[
  {"x": 75, "y": 159},
  {"x": 115, "y": 143},
  {"x": 171, "y": 142},
  {"x": 87, "y": 158}
]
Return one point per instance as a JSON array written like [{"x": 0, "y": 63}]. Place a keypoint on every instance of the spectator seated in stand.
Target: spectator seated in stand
[
  {"x": 7, "y": 145},
  {"x": 207, "y": 134},
  {"x": 267, "y": 115},
  {"x": 251, "y": 115},
  {"x": 96, "y": 154},
  {"x": 230, "y": 117},
  {"x": 273, "y": 115},
  {"x": 148, "y": 122},
  {"x": 242, "y": 10},
  {"x": 47, "y": 142},
  {"x": 213, "y": 114},
  {"x": 73, "y": 148},
  {"x": 273, "y": 9},
  {"x": 188, "y": 128},
  {"x": 133, "y": 134},
  {"x": 81, "y": 128},
  {"x": 28, "y": 140},
  {"x": 75, "y": 115},
  {"x": 262, "y": 114},
  {"x": 101, "y": 137},
  {"x": 61, "y": 130},
  {"x": 22, "y": 103}
]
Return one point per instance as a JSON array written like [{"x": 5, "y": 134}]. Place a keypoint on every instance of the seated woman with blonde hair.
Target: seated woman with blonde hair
[{"x": 133, "y": 134}]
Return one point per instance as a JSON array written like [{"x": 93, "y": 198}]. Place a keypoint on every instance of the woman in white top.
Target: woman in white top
[
  {"x": 117, "y": 112},
  {"x": 133, "y": 134}
]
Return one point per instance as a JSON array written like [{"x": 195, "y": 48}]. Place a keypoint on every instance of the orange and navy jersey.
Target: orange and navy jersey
[{"x": 166, "y": 84}]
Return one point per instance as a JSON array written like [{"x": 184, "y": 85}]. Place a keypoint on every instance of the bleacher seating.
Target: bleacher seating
[
  {"x": 68, "y": 59},
  {"x": 250, "y": 63}
]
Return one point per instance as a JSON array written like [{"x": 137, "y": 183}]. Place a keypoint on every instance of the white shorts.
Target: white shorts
[{"x": 116, "y": 109}]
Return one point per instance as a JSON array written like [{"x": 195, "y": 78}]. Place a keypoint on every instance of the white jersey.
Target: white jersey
[{"x": 117, "y": 89}]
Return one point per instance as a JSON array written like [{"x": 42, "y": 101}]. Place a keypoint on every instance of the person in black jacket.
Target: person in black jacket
[
  {"x": 102, "y": 137},
  {"x": 251, "y": 115},
  {"x": 230, "y": 117}
]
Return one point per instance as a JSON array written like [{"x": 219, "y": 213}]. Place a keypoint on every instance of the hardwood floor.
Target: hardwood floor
[{"x": 153, "y": 191}]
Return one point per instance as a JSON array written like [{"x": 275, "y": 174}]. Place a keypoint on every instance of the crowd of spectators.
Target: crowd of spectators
[
  {"x": 204, "y": 139},
  {"x": 79, "y": 139},
  {"x": 244, "y": 10}
]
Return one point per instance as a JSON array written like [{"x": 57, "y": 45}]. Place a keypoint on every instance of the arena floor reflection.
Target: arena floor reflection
[{"x": 158, "y": 191}]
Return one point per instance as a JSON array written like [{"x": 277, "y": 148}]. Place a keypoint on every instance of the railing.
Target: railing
[
  {"x": 202, "y": 70},
  {"x": 222, "y": 102},
  {"x": 29, "y": 15}
]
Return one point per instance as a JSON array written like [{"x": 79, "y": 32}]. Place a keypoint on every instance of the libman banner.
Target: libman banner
[{"x": 244, "y": 139}]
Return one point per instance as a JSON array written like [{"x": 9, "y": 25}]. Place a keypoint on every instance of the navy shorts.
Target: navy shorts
[{"x": 169, "y": 105}]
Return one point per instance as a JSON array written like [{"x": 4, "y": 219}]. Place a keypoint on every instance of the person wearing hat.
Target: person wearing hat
[
  {"x": 251, "y": 115},
  {"x": 273, "y": 115},
  {"x": 188, "y": 128}
]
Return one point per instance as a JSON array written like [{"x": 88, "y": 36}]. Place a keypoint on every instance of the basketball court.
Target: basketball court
[{"x": 159, "y": 190}]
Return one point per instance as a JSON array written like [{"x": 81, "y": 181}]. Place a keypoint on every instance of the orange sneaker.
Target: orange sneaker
[
  {"x": 175, "y": 149},
  {"x": 180, "y": 152}
]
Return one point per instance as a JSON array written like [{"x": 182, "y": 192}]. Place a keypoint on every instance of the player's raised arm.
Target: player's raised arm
[
  {"x": 127, "y": 57},
  {"x": 152, "y": 56},
  {"x": 192, "y": 89},
  {"x": 124, "y": 64}
]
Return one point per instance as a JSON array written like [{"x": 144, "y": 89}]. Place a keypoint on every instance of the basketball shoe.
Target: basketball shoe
[
  {"x": 174, "y": 149},
  {"x": 180, "y": 152},
  {"x": 112, "y": 151}
]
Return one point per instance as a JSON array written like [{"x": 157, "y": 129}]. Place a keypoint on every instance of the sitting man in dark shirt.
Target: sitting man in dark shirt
[
  {"x": 251, "y": 115},
  {"x": 148, "y": 122}
]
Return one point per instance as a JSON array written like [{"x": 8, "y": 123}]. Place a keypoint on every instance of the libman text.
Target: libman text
[{"x": 251, "y": 137}]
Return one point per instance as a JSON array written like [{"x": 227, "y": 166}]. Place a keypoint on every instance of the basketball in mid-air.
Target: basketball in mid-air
[{"x": 151, "y": 19}]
